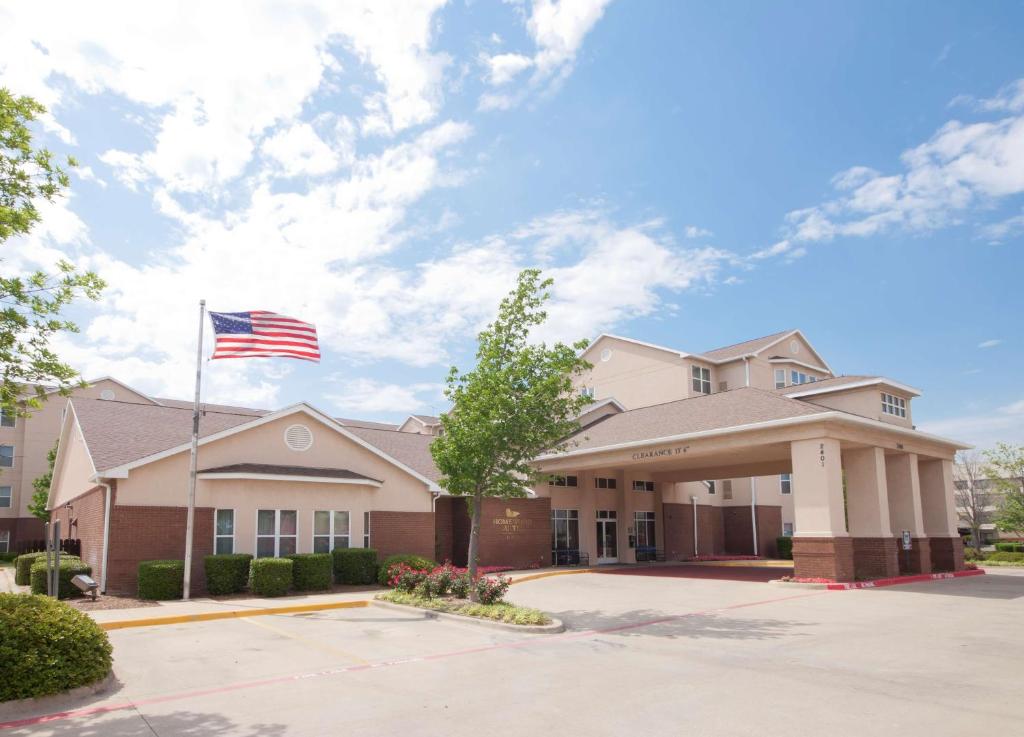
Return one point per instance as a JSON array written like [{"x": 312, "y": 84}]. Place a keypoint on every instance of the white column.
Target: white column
[
  {"x": 867, "y": 496},
  {"x": 818, "y": 488},
  {"x": 904, "y": 494},
  {"x": 938, "y": 505}
]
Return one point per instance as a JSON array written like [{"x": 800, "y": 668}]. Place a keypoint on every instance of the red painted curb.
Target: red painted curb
[{"x": 920, "y": 578}]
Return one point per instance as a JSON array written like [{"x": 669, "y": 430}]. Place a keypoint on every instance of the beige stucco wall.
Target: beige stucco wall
[
  {"x": 865, "y": 401},
  {"x": 165, "y": 482},
  {"x": 73, "y": 475},
  {"x": 635, "y": 375}
]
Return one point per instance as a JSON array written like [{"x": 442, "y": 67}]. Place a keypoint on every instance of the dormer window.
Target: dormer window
[
  {"x": 893, "y": 405},
  {"x": 701, "y": 379},
  {"x": 799, "y": 377}
]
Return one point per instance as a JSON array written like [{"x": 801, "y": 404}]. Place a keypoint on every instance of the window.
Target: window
[
  {"x": 588, "y": 391},
  {"x": 711, "y": 487},
  {"x": 366, "y": 529},
  {"x": 565, "y": 529},
  {"x": 5, "y": 541},
  {"x": 892, "y": 405},
  {"x": 799, "y": 377},
  {"x": 727, "y": 489},
  {"x": 786, "y": 483},
  {"x": 5, "y": 496},
  {"x": 224, "y": 532},
  {"x": 6, "y": 456},
  {"x": 7, "y": 418},
  {"x": 276, "y": 531},
  {"x": 644, "y": 522},
  {"x": 600, "y": 482},
  {"x": 643, "y": 485},
  {"x": 563, "y": 481},
  {"x": 787, "y": 529},
  {"x": 701, "y": 379},
  {"x": 330, "y": 531},
  {"x": 780, "y": 378}
]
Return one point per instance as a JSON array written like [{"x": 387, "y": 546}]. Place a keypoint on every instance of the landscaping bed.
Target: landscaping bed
[{"x": 498, "y": 612}]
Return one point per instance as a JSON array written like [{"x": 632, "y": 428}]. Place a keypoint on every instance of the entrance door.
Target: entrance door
[{"x": 607, "y": 539}]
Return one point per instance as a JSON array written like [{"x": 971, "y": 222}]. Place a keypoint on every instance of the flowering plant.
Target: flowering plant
[
  {"x": 492, "y": 590},
  {"x": 404, "y": 577}
]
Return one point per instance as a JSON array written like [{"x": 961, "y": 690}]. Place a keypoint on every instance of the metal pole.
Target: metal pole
[
  {"x": 191, "y": 513},
  {"x": 56, "y": 558},
  {"x": 753, "y": 510},
  {"x": 693, "y": 500},
  {"x": 47, "y": 537}
]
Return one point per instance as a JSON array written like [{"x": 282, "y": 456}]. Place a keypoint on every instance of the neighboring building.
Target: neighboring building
[
  {"x": 666, "y": 465},
  {"x": 989, "y": 497}
]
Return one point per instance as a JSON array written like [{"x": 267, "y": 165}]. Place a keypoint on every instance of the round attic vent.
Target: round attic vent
[
  {"x": 107, "y": 394},
  {"x": 606, "y": 354},
  {"x": 794, "y": 347},
  {"x": 298, "y": 437}
]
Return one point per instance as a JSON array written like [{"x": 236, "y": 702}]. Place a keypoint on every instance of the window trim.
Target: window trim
[
  {"x": 610, "y": 482},
  {"x": 792, "y": 529},
  {"x": 712, "y": 487},
  {"x": 588, "y": 391},
  {"x": 5, "y": 541},
  {"x": 277, "y": 531},
  {"x": 780, "y": 384},
  {"x": 647, "y": 486},
  {"x": 14, "y": 451},
  {"x": 641, "y": 515},
  {"x": 554, "y": 480},
  {"x": 4, "y": 414},
  {"x": 567, "y": 518},
  {"x": 698, "y": 380},
  {"x": 331, "y": 532},
  {"x": 894, "y": 405},
  {"x": 785, "y": 478},
  {"x": 217, "y": 536}
]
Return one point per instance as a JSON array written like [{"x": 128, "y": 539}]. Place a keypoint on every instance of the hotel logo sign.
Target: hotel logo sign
[{"x": 511, "y": 524}]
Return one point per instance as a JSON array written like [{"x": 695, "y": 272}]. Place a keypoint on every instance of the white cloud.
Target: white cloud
[
  {"x": 999, "y": 231},
  {"x": 784, "y": 248},
  {"x": 364, "y": 395},
  {"x": 962, "y": 168},
  {"x": 557, "y": 29},
  {"x": 692, "y": 231},
  {"x": 989, "y": 343},
  {"x": 1003, "y": 424},
  {"x": 299, "y": 150},
  {"x": 1009, "y": 98}
]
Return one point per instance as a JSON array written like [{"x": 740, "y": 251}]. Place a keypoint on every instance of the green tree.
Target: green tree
[
  {"x": 31, "y": 304},
  {"x": 41, "y": 486},
  {"x": 515, "y": 404},
  {"x": 1005, "y": 467}
]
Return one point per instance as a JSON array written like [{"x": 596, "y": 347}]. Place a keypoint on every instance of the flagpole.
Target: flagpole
[{"x": 190, "y": 515}]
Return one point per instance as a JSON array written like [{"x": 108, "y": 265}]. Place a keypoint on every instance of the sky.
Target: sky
[{"x": 689, "y": 174}]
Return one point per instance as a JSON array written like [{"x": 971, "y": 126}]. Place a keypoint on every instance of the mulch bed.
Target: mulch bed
[{"x": 86, "y": 604}]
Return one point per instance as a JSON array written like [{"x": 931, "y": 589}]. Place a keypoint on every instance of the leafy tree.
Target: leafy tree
[
  {"x": 41, "y": 486},
  {"x": 515, "y": 404},
  {"x": 30, "y": 304},
  {"x": 1005, "y": 468},
  {"x": 973, "y": 494}
]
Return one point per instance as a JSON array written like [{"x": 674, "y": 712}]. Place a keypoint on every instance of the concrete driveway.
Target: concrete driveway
[{"x": 644, "y": 655}]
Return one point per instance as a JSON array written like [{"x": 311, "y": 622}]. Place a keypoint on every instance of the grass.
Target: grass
[
  {"x": 1006, "y": 563},
  {"x": 503, "y": 612}
]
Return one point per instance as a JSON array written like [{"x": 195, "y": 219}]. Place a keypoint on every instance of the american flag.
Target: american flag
[{"x": 260, "y": 334}]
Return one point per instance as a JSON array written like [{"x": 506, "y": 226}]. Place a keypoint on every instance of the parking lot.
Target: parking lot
[{"x": 643, "y": 655}]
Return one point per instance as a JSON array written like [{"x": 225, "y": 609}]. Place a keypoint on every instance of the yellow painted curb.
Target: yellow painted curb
[
  {"x": 549, "y": 574},
  {"x": 231, "y": 614}
]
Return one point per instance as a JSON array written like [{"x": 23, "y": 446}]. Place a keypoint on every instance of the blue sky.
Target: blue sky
[{"x": 691, "y": 174}]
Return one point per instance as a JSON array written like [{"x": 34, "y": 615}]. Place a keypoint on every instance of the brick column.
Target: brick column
[
  {"x": 821, "y": 546},
  {"x": 905, "y": 511},
  {"x": 875, "y": 553},
  {"x": 938, "y": 509}
]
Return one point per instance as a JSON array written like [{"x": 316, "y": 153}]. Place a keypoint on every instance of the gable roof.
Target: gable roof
[
  {"x": 349, "y": 422},
  {"x": 411, "y": 448},
  {"x": 274, "y": 470},
  {"x": 843, "y": 383}
]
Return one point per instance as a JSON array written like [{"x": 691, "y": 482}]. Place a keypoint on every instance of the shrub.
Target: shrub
[
  {"x": 69, "y": 568},
  {"x": 406, "y": 578},
  {"x": 312, "y": 571},
  {"x": 1005, "y": 557},
  {"x": 355, "y": 565},
  {"x": 8, "y": 557},
  {"x": 785, "y": 547},
  {"x": 227, "y": 573},
  {"x": 48, "y": 647},
  {"x": 461, "y": 586},
  {"x": 492, "y": 590},
  {"x": 1009, "y": 547},
  {"x": 413, "y": 561},
  {"x": 972, "y": 554},
  {"x": 270, "y": 576},
  {"x": 23, "y": 567},
  {"x": 161, "y": 579}
]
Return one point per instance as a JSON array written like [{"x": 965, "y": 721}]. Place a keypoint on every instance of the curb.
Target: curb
[
  {"x": 879, "y": 582},
  {"x": 20, "y": 706},
  {"x": 555, "y": 627},
  {"x": 550, "y": 574},
  {"x": 230, "y": 614}
]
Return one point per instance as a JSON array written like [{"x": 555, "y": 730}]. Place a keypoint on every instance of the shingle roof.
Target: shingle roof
[
  {"x": 427, "y": 419},
  {"x": 270, "y": 469},
  {"x": 742, "y": 406},
  {"x": 369, "y": 424},
  {"x": 412, "y": 449},
  {"x": 118, "y": 432},
  {"x": 833, "y": 383},
  {"x": 742, "y": 349},
  {"x": 229, "y": 408}
]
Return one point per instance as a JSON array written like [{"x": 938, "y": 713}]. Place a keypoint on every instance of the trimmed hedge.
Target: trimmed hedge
[
  {"x": 413, "y": 561},
  {"x": 160, "y": 580},
  {"x": 355, "y": 565},
  {"x": 1002, "y": 557},
  {"x": 270, "y": 576},
  {"x": 312, "y": 571},
  {"x": 8, "y": 557},
  {"x": 785, "y": 547},
  {"x": 48, "y": 647},
  {"x": 69, "y": 568},
  {"x": 23, "y": 567},
  {"x": 227, "y": 573},
  {"x": 1011, "y": 547}
]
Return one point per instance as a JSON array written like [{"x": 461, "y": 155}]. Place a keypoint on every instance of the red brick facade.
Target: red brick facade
[
  {"x": 720, "y": 530},
  {"x": 875, "y": 557},
  {"x": 918, "y": 559},
  {"x": 947, "y": 553},
  {"x": 513, "y": 532},
  {"x": 85, "y": 521},
  {"x": 823, "y": 557},
  {"x": 739, "y": 534},
  {"x": 443, "y": 533},
  {"x": 392, "y": 533}
]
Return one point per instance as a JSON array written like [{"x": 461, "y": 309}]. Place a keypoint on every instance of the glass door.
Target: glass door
[{"x": 607, "y": 538}]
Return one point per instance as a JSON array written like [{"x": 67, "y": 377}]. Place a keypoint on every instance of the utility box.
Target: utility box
[{"x": 85, "y": 584}]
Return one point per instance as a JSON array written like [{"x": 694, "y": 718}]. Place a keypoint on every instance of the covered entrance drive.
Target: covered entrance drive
[{"x": 857, "y": 484}]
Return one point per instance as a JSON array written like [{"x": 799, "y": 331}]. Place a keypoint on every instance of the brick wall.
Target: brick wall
[
  {"x": 87, "y": 526},
  {"x": 823, "y": 557},
  {"x": 520, "y": 539},
  {"x": 947, "y": 553},
  {"x": 918, "y": 559},
  {"x": 875, "y": 557},
  {"x": 443, "y": 542},
  {"x": 678, "y": 526},
  {"x": 392, "y": 533},
  {"x": 140, "y": 533}
]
